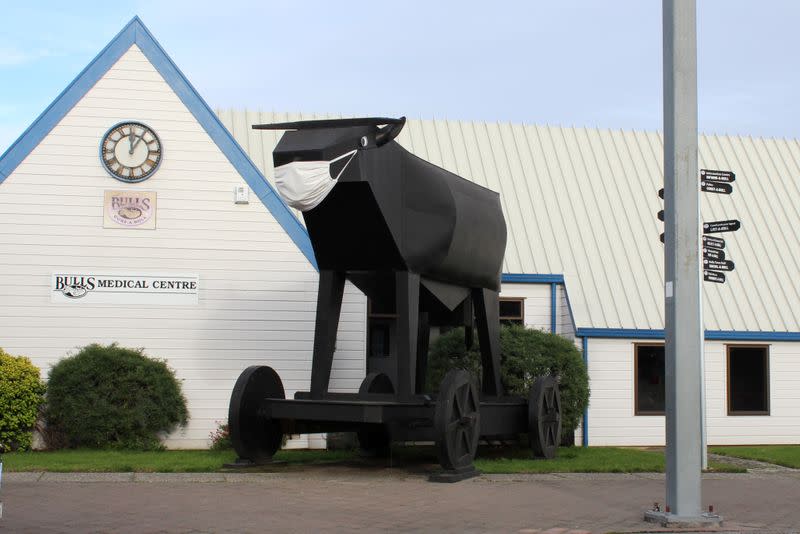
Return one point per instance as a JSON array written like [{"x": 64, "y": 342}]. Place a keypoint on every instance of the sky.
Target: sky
[{"x": 571, "y": 62}]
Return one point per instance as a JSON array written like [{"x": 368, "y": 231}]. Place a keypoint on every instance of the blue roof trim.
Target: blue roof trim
[
  {"x": 135, "y": 32},
  {"x": 620, "y": 332},
  {"x": 519, "y": 278},
  {"x": 716, "y": 335},
  {"x": 732, "y": 335}
]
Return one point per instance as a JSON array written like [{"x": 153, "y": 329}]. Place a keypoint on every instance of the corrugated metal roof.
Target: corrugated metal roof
[{"x": 583, "y": 202}]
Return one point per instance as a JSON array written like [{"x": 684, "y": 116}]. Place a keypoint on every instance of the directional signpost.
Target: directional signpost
[
  {"x": 714, "y": 261},
  {"x": 714, "y": 264},
  {"x": 683, "y": 299},
  {"x": 717, "y": 176},
  {"x": 713, "y": 242},
  {"x": 718, "y": 265},
  {"x": 716, "y": 227},
  {"x": 713, "y": 276},
  {"x": 716, "y": 187}
]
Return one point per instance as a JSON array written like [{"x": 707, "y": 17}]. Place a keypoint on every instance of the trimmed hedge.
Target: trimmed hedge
[
  {"x": 21, "y": 396},
  {"x": 113, "y": 397},
  {"x": 524, "y": 355}
]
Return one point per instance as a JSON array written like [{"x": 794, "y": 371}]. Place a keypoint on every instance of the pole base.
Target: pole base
[{"x": 665, "y": 519}]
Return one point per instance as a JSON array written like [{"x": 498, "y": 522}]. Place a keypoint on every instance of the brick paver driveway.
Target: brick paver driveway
[{"x": 346, "y": 500}]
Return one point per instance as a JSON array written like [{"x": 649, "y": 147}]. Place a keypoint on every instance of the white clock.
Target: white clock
[{"x": 130, "y": 151}]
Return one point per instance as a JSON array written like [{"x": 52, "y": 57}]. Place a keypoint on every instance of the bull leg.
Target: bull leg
[
  {"x": 407, "y": 290},
  {"x": 423, "y": 342},
  {"x": 329, "y": 307},
  {"x": 487, "y": 315}
]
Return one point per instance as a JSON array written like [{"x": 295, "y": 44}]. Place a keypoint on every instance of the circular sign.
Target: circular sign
[{"x": 130, "y": 151}]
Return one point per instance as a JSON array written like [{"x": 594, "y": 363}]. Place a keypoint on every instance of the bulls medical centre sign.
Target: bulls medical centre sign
[{"x": 124, "y": 288}]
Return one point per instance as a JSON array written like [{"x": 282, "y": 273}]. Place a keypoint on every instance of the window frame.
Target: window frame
[
  {"x": 636, "y": 411},
  {"x": 767, "y": 390},
  {"x": 521, "y": 317}
]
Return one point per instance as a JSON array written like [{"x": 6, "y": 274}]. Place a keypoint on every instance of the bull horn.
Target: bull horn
[{"x": 389, "y": 132}]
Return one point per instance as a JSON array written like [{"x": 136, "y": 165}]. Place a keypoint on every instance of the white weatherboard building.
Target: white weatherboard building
[{"x": 215, "y": 281}]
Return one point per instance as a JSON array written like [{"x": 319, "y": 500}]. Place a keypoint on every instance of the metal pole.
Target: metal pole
[{"x": 684, "y": 333}]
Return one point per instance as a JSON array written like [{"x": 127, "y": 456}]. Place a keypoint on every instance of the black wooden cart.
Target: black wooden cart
[{"x": 428, "y": 244}]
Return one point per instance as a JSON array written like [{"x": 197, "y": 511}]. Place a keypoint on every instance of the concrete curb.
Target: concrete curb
[{"x": 261, "y": 478}]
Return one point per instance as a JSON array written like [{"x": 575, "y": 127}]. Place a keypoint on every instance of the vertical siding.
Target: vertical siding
[{"x": 257, "y": 291}]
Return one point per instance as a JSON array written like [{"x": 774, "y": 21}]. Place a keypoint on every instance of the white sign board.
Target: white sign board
[{"x": 124, "y": 288}]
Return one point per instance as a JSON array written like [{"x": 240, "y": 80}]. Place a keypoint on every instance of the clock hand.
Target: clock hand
[
  {"x": 131, "y": 137},
  {"x": 138, "y": 140}
]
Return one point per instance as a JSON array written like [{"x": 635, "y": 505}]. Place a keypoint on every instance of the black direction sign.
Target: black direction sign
[
  {"x": 717, "y": 176},
  {"x": 715, "y": 227},
  {"x": 713, "y": 276},
  {"x": 661, "y": 193},
  {"x": 716, "y": 187},
  {"x": 713, "y": 242},
  {"x": 713, "y": 254},
  {"x": 717, "y": 265},
  {"x": 661, "y": 215}
]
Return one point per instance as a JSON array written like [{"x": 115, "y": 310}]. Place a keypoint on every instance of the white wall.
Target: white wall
[
  {"x": 537, "y": 302},
  {"x": 257, "y": 291},
  {"x": 611, "y": 406}
]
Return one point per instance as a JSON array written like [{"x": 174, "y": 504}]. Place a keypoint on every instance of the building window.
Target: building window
[
  {"x": 649, "y": 379},
  {"x": 748, "y": 380},
  {"x": 512, "y": 310}
]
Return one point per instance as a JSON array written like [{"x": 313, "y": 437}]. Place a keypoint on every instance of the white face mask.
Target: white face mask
[{"x": 304, "y": 184}]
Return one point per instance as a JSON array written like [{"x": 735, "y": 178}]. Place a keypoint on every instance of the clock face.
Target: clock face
[{"x": 130, "y": 151}]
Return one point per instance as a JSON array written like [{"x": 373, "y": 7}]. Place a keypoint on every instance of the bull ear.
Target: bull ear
[{"x": 389, "y": 132}]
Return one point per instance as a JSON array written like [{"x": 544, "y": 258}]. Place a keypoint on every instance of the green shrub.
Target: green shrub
[
  {"x": 21, "y": 395},
  {"x": 114, "y": 397},
  {"x": 524, "y": 355}
]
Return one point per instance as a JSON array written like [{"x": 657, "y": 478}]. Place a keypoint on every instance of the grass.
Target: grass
[
  {"x": 785, "y": 455},
  {"x": 490, "y": 460},
  {"x": 587, "y": 460},
  {"x": 114, "y": 461}
]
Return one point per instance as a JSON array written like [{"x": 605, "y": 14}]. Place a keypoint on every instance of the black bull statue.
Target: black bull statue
[{"x": 415, "y": 238}]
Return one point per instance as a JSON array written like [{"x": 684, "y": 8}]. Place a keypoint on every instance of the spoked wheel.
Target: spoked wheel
[
  {"x": 544, "y": 417},
  {"x": 374, "y": 440},
  {"x": 457, "y": 420},
  {"x": 254, "y": 437}
]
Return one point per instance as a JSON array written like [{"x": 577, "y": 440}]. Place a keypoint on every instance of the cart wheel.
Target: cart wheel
[
  {"x": 457, "y": 420},
  {"x": 254, "y": 437},
  {"x": 544, "y": 417},
  {"x": 374, "y": 440}
]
